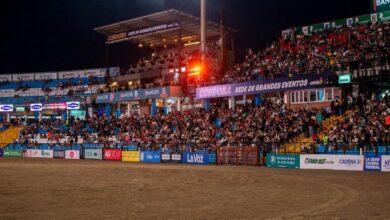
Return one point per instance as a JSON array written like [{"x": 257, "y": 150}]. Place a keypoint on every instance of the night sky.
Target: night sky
[{"x": 53, "y": 35}]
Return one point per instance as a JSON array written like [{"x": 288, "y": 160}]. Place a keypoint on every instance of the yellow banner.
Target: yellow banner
[{"x": 130, "y": 156}]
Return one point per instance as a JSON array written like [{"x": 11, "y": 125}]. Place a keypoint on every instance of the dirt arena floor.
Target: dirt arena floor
[{"x": 64, "y": 189}]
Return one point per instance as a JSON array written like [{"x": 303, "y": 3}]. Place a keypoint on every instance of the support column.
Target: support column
[
  {"x": 90, "y": 111},
  {"x": 8, "y": 117},
  {"x": 232, "y": 102},
  {"x": 258, "y": 100},
  {"x": 244, "y": 99},
  {"x": 128, "y": 109},
  {"x": 165, "y": 107},
  {"x": 65, "y": 115},
  {"x": 118, "y": 110},
  {"x": 178, "y": 106},
  {"x": 36, "y": 116},
  {"x": 153, "y": 110},
  {"x": 40, "y": 116},
  {"x": 206, "y": 104},
  {"x": 108, "y": 110}
]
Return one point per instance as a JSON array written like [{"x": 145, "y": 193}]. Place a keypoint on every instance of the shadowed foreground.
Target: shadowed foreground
[{"x": 64, "y": 189}]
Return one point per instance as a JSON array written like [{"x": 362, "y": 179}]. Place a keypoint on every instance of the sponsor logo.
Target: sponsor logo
[
  {"x": 71, "y": 154},
  {"x": 126, "y": 95},
  {"x": 387, "y": 163},
  {"x": 317, "y": 161},
  {"x": 197, "y": 158},
  {"x": 176, "y": 157},
  {"x": 36, "y": 107},
  {"x": 273, "y": 159},
  {"x": 73, "y": 105},
  {"x": 6, "y": 107},
  {"x": 350, "y": 161},
  {"x": 152, "y": 92}
]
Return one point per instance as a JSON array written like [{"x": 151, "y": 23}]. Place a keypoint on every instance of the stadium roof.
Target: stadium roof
[{"x": 159, "y": 29}]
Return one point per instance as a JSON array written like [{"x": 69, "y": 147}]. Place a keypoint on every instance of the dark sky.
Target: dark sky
[{"x": 52, "y": 35}]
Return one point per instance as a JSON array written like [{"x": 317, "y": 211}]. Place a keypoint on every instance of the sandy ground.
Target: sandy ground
[{"x": 64, "y": 189}]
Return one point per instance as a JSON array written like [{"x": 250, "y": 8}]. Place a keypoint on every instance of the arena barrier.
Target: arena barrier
[
  {"x": 385, "y": 163},
  {"x": 93, "y": 154},
  {"x": 332, "y": 162},
  {"x": 131, "y": 156},
  {"x": 238, "y": 155},
  {"x": 150, "y": 156},
  {"x": 199, "y": 158},
  {"x": 112, "y": 154},
  {"x": 59, "y": 154},
  {"x": 32, "y": 153},
  {"x": 171, "y": 157},
  {"x": 12, "y": 153},
  {"x": 283, "y": 161},
  {"x": 212, "y": 158},
  {"x": 72, "y": 154}
]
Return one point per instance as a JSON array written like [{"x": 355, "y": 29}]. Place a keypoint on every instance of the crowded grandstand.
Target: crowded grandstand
[{"x": 318, "y": 89}]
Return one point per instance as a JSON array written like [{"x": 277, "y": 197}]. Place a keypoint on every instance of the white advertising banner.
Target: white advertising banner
[
  {"x": 332, "y": 162},
  {"x": 68, "y": 74},
  {"x": 24, "y": 77},
  {"x": 92, "y": 72},
  {"x": 40, "y": 153},
  {"x": 7, "y": 77},
  {"x": 52, "y": 75},
  {"x": 385, "y": 167},
  {"x": 6, "y": 108},
  {"x": 72, "y": 154}
]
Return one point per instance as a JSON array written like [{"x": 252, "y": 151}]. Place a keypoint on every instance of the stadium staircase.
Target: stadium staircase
[
  {"x": 9, "y": 135},
  {"x": 294, "y": 146}
]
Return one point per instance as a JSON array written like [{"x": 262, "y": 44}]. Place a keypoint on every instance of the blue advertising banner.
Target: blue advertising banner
[
  {"x": 257, "y": 87},
  {"x": 1, "y": 152},
  {"x": 201, "y": 158},
  {"x": 372, "y": 163},
  {"x": 151, "y": 156},
  {"x": 160, "y": 92},
  {"x": 212, "y": 158}
]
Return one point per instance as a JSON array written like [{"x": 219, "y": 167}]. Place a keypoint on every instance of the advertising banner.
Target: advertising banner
[
  {"x": 93, "y": 154},
  {"x": 72, "y": 105},
  {"x": 36, "y": 107},
  {"x": 121, "y": 36},
  {"x": 283, "y": 161},
  {"x": 40, "y": 153},
  {"x": 372, "y": 163},
  {"x": 130, "y": 156},
  {"x": 6, "y": 108},
  {"x": 40, "y": 76},
  {"x": 1, "y": 152},
  {"x": 160, "y": 92},
  {"x": 151, "y": 156},
  {"x": 385, "y": 163},
  {"x": 12, "y": 153},
  {"x": 59, "y": 154},
  {"x": 55, "y": 106},
  {"x": 23, "y": 77},
  {"x": 112, "y": 154},
  {"x": 332, "y": 162},
  {"x": 257, "y": 87},
  {"x": 72, "y": 154},
  {"x": 176, "y": 158},
  {"x": 196, "y": 158},
  {"x": 68, "y": 74},
  {"x": 4, "y": 78},
  {"x": 212, "y": 158},
  {"x": 165, "y": 157}
]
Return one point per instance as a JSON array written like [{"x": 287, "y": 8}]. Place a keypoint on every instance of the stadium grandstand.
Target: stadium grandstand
[
  {"x": 316, "y": 97},
  {"x": 281, "y": 96}
]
